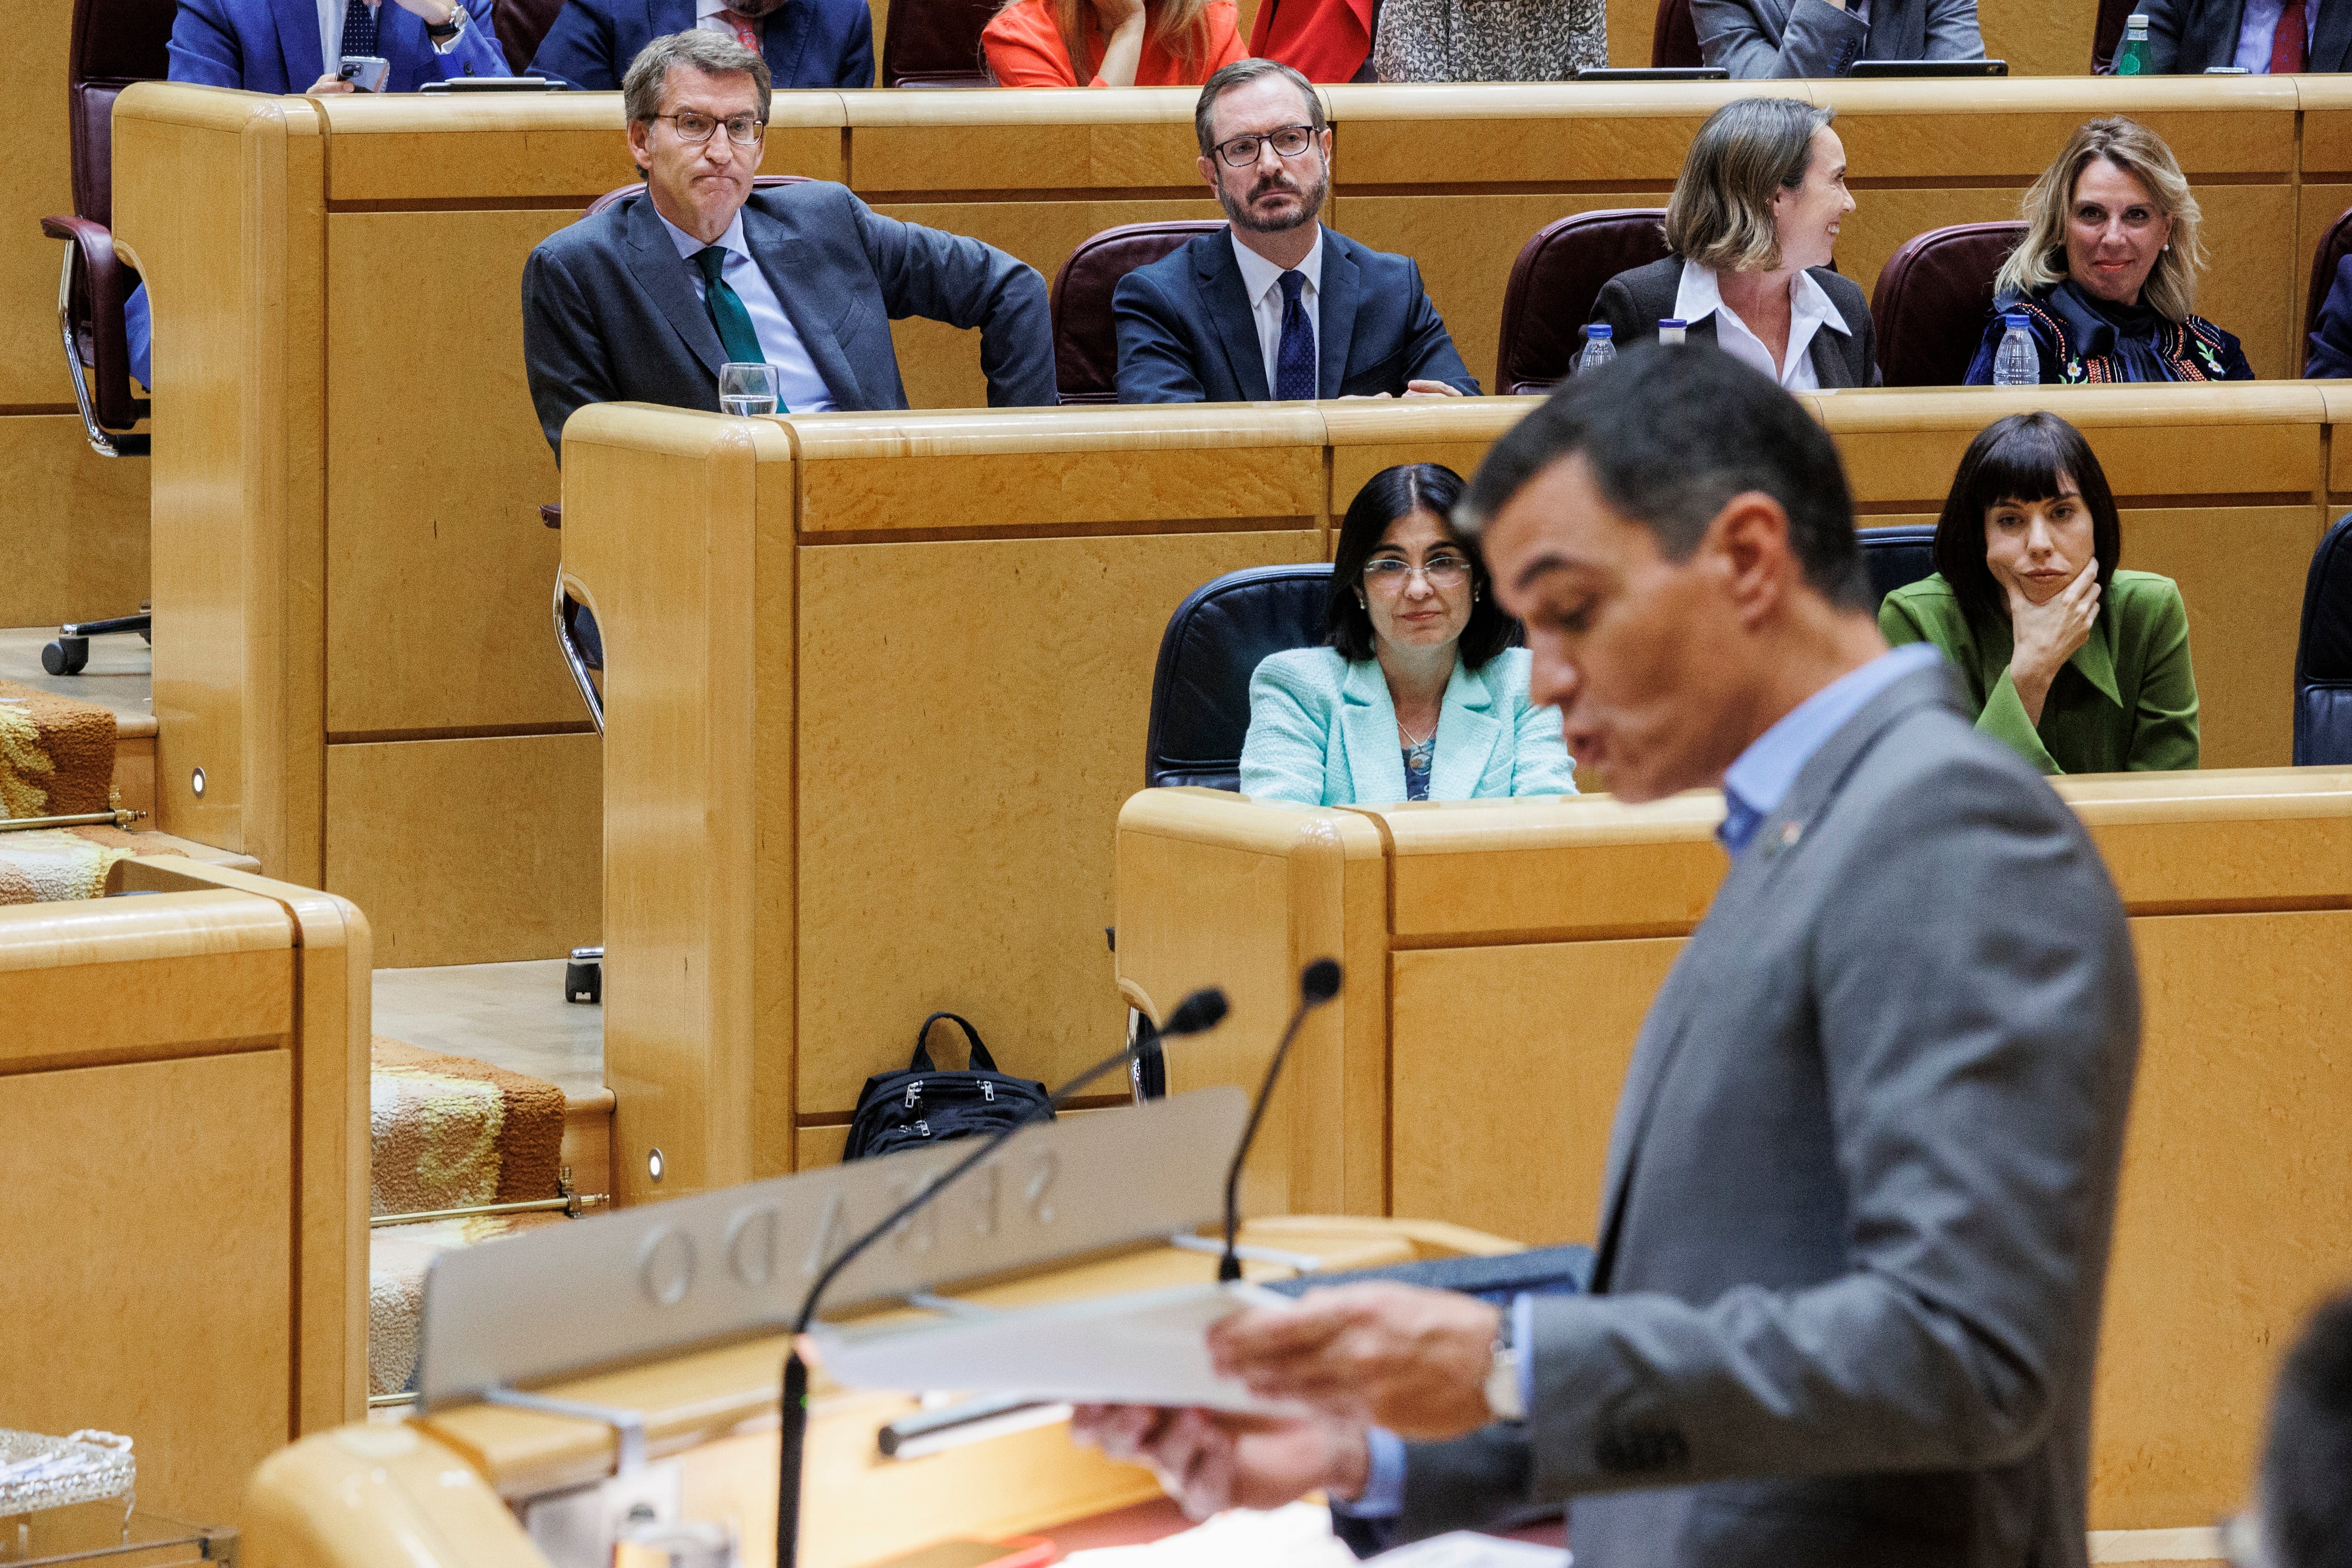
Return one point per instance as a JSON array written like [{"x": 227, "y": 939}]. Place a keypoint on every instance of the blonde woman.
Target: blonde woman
[
  {"x": 1753, "y": 225},
  {"x": 2108, "y": 268},
  {"x": 1112, "y": 43}
]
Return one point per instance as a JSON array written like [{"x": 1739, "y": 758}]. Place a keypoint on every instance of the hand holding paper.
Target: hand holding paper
[{"x": 1410, "y": 1359}]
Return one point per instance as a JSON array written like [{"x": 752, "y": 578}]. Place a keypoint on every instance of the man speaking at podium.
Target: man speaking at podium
[{"x": 1862, "y": 1174}]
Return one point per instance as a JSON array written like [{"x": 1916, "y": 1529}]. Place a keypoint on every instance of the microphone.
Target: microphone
[
  {"x": 1317, "y": 984},
  {"x": 1202, "y": 1011}
]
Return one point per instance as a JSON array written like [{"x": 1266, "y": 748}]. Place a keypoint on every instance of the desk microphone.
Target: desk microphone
[
  {"x": 1202, "y": 1011},
  {"x": 1317, "y": 984}
]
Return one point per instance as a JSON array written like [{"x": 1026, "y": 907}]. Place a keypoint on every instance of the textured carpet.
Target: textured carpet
[
  {"x": 47, "y": 864},
  {"x": 446, "y": 1133},
  {"x": 57, "y": 753}
]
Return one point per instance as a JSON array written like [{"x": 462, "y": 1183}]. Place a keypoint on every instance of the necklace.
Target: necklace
[{"x": 1417, "y": 752}]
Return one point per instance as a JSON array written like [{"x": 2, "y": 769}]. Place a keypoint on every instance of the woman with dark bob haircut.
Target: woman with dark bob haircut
[
  {"x": 1417, "y": 695},
  {"x": 2082, "y": 666}
]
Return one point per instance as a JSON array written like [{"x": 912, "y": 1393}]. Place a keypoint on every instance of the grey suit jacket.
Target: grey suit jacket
[
  {"x": 610, "y": 312},
  {"x": 1756, "y": 38},
  {"x": 2187, "y": 35},
  {"x": 1633, "y": 303},
  {"x": 1859, "y": 1192}
]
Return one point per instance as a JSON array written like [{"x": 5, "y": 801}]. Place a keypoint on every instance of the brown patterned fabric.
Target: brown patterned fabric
[
  {"x": 449, "y": 1132},
  {"x": 48, "y": 865},
  {"x": 398, "y": 1257},
  {"x": 1488, "y": 40},
  {"x": 57, "y": 753}
]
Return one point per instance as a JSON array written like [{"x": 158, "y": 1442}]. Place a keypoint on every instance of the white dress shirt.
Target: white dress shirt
[
  {"x": 1262, "y": 286},
  {"x": 797, "y": 382},
  {"x": 1809, "y": 311},
  {"x": 2258, "y": 30}
]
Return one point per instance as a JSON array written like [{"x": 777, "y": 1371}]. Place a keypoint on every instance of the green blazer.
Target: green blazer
[
  {"x": 2126, "y": 702},
  {"x": 1323, "y": 732}
]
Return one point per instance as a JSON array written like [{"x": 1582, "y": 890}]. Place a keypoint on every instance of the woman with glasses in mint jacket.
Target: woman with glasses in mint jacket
[{"x": 1416, "y": 695}]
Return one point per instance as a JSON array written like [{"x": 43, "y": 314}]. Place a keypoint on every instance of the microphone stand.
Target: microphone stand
[
  {"x": 1317, "y": 984},
  {"x": 1203, "y": 1010}
]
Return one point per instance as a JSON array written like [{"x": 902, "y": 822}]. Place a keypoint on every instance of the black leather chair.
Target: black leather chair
[
  {"x": 2334, "y": 246},
  {"x": 1674, "y": 39},
  {"x": 1086, "y": 341},
  {"x": 1558, "y": 276},
  {"x": 1899, "y": 555},
  {"x": 936, "y": 44},
  {"x": 2322, "y": 655},
  {"x": 115, "y": 44},
  {"x": 1933, "y": 298},
  {"x": 2108, "y": 30},
  {"x": 1200, "y": 691}
]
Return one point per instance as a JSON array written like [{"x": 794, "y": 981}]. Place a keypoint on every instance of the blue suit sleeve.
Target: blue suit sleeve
[
  {"x": 475, "y": 51},
  {"x": 1155, "y": 365},
  {"x": 952, "y": 279},
  {"x": 1289, "y": 731},
  {"x": 578, "y": 50},
  {"x": 2329, "y": 356},
  {"x": 1430, "y": 354},
  {"x": 563, "y": 352},
  {"x": 203, "y": 48},
  {"x": 857, "y": 59}
]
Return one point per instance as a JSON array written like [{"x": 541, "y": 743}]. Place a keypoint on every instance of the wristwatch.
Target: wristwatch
[
  {"x": 441, "y": 33},
  {"x": 1502, "y": 1377}
]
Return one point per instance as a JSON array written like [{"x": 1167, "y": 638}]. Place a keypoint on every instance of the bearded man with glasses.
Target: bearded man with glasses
[
  {"x": 645, "y": 300},
  {"x": 1277, "y": 306}
]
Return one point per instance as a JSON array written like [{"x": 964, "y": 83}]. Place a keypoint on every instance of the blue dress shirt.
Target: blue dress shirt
[
  {"x": 1753, "y": 788},
  {"x": 2258, "y": 30},
  {"x": 798, "y": 384}
]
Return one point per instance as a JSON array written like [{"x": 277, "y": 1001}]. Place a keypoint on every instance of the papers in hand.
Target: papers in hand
[{"x": 1149, "y": 1348}]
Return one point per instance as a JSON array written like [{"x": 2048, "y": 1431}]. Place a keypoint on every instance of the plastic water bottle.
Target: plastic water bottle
[
  {"x": 1671, "y": 329},
  {"x": 1598, "y": 349},
  {"x": 2131, "y": 55},
  {"x": 2016, "y": 362}
]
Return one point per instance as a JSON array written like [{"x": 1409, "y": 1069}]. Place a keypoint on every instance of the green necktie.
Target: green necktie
[{"x": 727, "y": 312}]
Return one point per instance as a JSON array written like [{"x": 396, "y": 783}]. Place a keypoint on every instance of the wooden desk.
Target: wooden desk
[
  {"x": 184, "y": 1140},
  {"x": 459, "y": 1473},
  {"x": 1492, "y": 945},
  {"x": 818, "y": 826}
]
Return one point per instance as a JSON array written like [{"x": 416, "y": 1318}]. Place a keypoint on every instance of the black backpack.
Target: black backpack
[{"x": 900, "y": 1111}]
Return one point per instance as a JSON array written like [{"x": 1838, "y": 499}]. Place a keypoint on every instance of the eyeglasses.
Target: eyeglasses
[
  {"x": 743, "y": 129},
  {"x": 1290, "y": 141},
  {"x": 1443, "y": 572}
]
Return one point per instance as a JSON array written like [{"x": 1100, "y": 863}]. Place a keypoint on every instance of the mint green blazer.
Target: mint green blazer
[{"x": 1323, "y": 732}]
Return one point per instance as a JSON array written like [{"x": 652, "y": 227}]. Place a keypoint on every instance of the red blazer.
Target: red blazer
[
  {"x": 1025, "y": 49},
  {"x": 1323, "y": 40}
]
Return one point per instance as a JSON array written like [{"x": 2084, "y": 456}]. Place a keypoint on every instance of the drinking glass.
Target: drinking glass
[{"x": 747, "y": 388}]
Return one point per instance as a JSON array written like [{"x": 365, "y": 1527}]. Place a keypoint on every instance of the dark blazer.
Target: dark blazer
[
  {"x": 1186, "y": 335},
  {"x": 1756, "y": 38},
  {"x": 806, "y": 43},
  {"x": 2329, "y": 352},
  {"x": 2184, "y": 37},
  {"x": 1854, "y": 1226},
  {"x": 610, "y": 314},
  {"x": 272, "y": 46},
  {"x": 1633, "y": 303}
]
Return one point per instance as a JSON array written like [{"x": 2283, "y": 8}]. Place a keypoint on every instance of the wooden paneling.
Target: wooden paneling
[
  {"x": 469, "y": 851},
  {"x": 73, "y": 525},
  {"x": 994, "y": 893},
  {"x": 133, "y": 1236},
  {"x": 438, "y": 571},
  {"x": 1024, "y": 140},
  {"x": 2038, "y": 38},
  {"x": 32, "y": 75}
]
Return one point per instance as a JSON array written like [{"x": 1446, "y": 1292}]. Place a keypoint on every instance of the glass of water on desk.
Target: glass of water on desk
[{"x": 747, "y": 388}]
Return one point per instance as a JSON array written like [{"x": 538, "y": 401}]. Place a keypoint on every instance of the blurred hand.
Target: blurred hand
[
  {"x": 2046, "y": 635},
  {"x": 1209, "y": 1461},
  {"x": 1413, "y": 1360},
  {"x": 436, "y": 13},
  {"x": 330, "y": 82},
  {"x": 1431, "y": 389},
  {"x": 1116, "y": 14}
]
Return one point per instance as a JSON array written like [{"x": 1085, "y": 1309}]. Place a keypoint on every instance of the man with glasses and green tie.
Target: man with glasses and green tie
[
  {"x": 647, "y": 301},
  {"x": 1277, "y": 306}
]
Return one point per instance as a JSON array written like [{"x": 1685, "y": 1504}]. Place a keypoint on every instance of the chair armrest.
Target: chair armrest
[
  {"x": 102, "y": 283},
  {"x": 551, "y": 513}
]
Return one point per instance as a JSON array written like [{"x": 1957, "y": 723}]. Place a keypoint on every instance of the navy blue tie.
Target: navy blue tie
[
  {"x": 1294, "y": 357},
  {"x": 359, "y": 31}
]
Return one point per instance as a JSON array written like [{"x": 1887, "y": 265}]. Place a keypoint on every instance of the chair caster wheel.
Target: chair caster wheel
[
  {"x": 67, "y": 656},
  {"x": 584, "y": 981}
]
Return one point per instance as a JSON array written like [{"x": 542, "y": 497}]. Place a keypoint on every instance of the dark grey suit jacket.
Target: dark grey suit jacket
[
  {"x": 2187, "y": 35},
  {"x": 1756, "y": 38},
  {"x": 1186, "y": 334},
  {"x": 610, "y": 312},
  {"x": 1633, "y": 303},
  {"x": 1859, "y": 1192}
]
